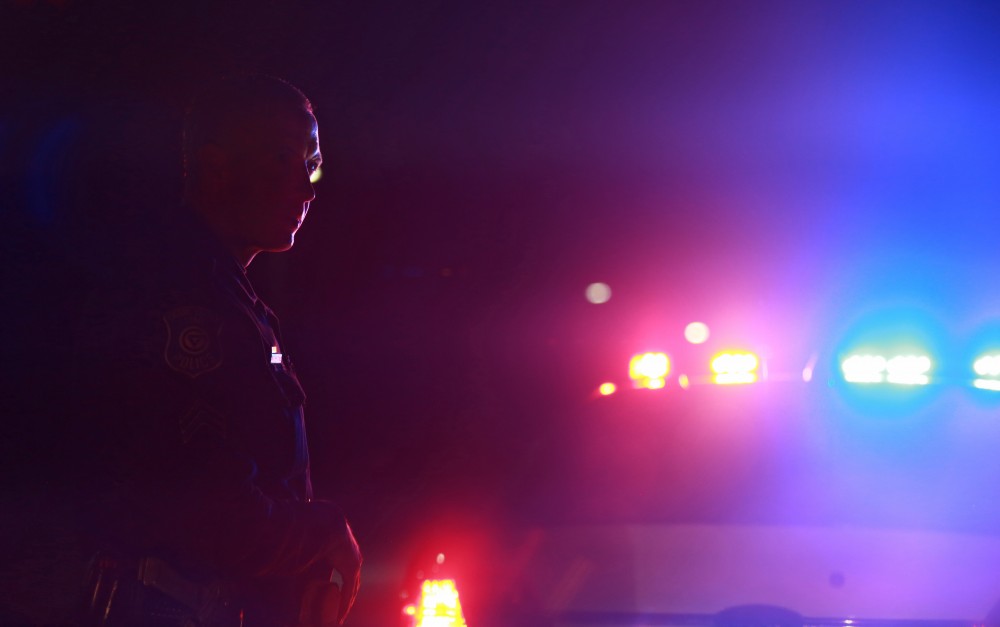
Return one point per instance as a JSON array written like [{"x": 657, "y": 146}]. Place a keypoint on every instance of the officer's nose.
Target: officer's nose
[{"x": 308, "y": 191}]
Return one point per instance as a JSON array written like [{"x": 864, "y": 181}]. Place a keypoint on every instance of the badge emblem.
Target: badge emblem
[{"x": 193, "y": 347}]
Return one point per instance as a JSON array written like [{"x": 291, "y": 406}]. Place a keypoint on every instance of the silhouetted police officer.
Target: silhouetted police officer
[{"x": 195, "y": 467}]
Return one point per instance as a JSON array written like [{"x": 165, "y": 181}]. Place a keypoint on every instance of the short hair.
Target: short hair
[{"x": 231, "y": 99}]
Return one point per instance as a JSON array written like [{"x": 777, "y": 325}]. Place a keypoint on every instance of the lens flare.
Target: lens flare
[{"x": 735, "y": 368}]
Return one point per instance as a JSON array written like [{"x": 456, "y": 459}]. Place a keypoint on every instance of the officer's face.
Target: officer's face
[{"x": 269, "y": 190}]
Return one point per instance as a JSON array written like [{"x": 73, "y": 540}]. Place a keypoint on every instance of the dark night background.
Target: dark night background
[{"x": 484, "y": 162}]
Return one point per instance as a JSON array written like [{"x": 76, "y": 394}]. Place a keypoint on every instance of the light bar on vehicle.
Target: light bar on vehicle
[
  {"x": 908, "y": 370},
  {"x": 864, "y": 369},
  {"x": 734, "y": 368},
  {"x": 899, "y": 369},
  {"x": 438, "y": 605},
  {"x": 987, "y": 366},
  {"x": 987, "y": 369},
  {"x": 649, "y": 370}
]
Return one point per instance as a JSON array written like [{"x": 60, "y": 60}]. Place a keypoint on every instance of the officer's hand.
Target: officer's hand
[{"x": 346, "y": 561}]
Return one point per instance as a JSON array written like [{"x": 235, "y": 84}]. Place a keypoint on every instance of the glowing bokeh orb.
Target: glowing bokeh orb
[
  {"x": 607, "y": 389},
  {"x": 598, "y": 293},
  {"x": 696, "y": 332},
  {"x": 900, "y": 369}
]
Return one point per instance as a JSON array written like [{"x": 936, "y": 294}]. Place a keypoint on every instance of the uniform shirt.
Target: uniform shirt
[{"x": 191, "y": 433}]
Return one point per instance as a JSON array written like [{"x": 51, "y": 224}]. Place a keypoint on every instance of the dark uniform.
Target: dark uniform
[{"x": 192, "y": 446}]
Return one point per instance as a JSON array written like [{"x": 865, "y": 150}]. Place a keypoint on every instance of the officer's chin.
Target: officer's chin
[{"x": 280, "y": 245}]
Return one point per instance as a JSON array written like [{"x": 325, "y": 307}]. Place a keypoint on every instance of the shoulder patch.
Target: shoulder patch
[{"x": 193, "y": 343}]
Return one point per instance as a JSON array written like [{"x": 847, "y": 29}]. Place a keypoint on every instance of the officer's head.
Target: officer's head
[{"x": 250, "y": 145}]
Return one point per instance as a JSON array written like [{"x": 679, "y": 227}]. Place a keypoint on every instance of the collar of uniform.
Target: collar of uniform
[{"x": 224, "y": 265}]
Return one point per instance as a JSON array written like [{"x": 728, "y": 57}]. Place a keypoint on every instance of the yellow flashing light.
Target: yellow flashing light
[
  {"x": 736, "y": 368},
  {"x": 439, "y": 605},
  {"x": 607, "y": 389},
  {"x": 649, "y": 370}
]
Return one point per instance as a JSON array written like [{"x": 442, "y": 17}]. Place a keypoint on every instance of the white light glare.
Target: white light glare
[
  {"x": 987, "y": 384},
  {"x": 696, "y": 332},
  {"x": 598, "y": 293},
  {"x": 908, "y": 370},
  {"x": 987, "y": 366},
  {"x": 900, "y": 369},
  {"x": 864, "y": 369}
]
